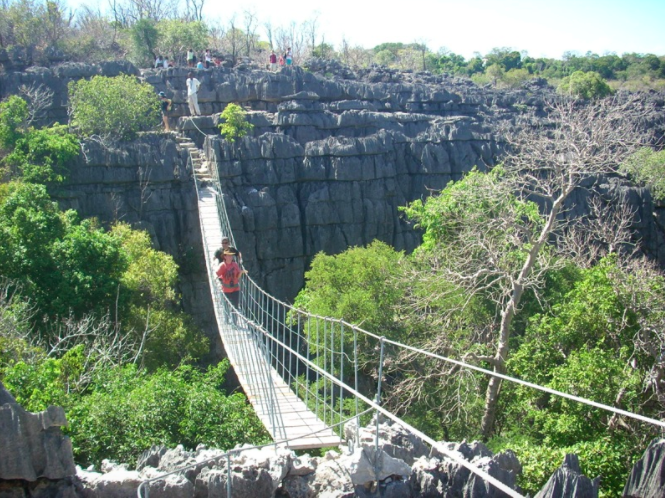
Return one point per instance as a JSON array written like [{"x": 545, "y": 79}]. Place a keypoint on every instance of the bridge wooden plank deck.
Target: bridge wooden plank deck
[{"x": 284, "y": 415}]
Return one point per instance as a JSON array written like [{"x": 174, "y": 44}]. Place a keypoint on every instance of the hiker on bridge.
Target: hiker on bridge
[
  {"x": 229, "y": 274},
  {"x": 226, "y": 246}
]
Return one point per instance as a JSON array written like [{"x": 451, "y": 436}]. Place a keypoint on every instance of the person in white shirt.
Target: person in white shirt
[{"x": 192, "y": 98}]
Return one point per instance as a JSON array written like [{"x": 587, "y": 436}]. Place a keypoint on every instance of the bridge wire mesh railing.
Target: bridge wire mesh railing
[{"x": 318, "y": 358}]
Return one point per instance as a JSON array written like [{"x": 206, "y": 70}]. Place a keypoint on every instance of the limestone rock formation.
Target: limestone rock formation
[
  {"x": 32, "y": 445},
  {"x": 569, "y": 482},
  {"x": 647, "y": 479},
  {"x": 332, "y": 157}
]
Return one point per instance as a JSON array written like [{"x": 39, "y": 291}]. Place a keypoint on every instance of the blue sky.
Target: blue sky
[{"x": 542, "y": 28}]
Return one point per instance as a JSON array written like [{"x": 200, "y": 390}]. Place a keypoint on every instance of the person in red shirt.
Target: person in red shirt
[
  {"x": 273, "y": 61},
  {"x": 229, "y": 274}
]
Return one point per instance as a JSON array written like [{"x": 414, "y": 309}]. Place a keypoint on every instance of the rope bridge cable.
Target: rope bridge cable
[
  {"x": 310, "y": 353},
  {"x": 269, "y": 318}
]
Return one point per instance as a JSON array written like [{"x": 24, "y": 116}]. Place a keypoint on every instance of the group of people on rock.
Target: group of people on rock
[
  {"x": 205, "y": 61},
  {"x": 229, "y": 272},
  {"x": 285, "y": 59},
  {"x": 163, "y": 62}
]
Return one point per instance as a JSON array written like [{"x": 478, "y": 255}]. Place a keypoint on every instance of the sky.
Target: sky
[{"x": 541, "y": 28}]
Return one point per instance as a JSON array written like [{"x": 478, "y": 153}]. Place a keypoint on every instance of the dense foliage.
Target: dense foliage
[
  {"x": 89, "y": 317},
  {"x": 113, "y": 108},
  {"x": 647, "y": 167},
  {"x": 35, "y": 155},
  {"x": 234, "y": 123},
  {"x": 124, "y": 409},
  {"x": 584, "y": 326},
  {"x": 583, "y": 85}
]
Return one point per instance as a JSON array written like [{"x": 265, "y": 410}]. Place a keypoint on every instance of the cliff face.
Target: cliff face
[{"x": 330, "y": 161}]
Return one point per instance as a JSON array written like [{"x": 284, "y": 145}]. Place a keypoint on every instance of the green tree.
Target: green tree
[
  {"x": 125, "y": 410},
  {"x": 484, "y": 236},
  {"x": 130, "y": 410},
  {"x": 235, "y": 124},
  {"x": 583, "y": 85},
  {"x": 13, "y": 121},
  {"x": 150, "y": 279},
  {"x": 647, "y": 167},
  {"x": 605, "y": 327},
  {"x": 506, "y": 58},
  {"x": 114, "y": 108},
  {"x": 22, "y": 23},
  {"x": 35, "y": 155},
  {"x": 145, "y": 37},
  {"x": 176, "y": 37},
  {"x": 359, "y": 285},
  {"x": 65, "y": 265}
]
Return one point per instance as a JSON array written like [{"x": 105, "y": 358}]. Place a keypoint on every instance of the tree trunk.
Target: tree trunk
[{"x": 507, "y": 315}]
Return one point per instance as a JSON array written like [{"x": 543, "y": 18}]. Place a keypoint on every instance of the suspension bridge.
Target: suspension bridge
[{"x": 300, "y": 371}]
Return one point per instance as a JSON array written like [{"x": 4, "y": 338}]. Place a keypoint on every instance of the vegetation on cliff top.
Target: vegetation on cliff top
[{"x": 37, "y": 33}]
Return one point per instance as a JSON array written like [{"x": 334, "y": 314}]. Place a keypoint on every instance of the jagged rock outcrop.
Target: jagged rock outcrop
[
  {"x": 148, "y": 184},
  {"x": 355, "y": 470},
  {"x": 568, "y": 481},
  {"x": 332, "y": 157},
  {"x": 32, "y": 445},
  {"x": 647, "y": 479}
]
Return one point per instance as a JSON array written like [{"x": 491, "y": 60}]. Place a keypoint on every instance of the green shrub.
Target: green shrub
[
  {"x": 35, "y": 155},
  {"x": 647, "y": 167},
  {"x": 609, "y": 457},
  {"x": 113, "y": 108},
  {"x": 581, "y": 85},
  {"x": 235, "y": 123},
  {"x": 125, "y": 410},
  {"x": 130, "y": 410}
]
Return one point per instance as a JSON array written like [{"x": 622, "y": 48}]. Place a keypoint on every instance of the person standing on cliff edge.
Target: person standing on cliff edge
[
  {"x": 165, "y": 105},
  {"x": 192, "y": 98}
]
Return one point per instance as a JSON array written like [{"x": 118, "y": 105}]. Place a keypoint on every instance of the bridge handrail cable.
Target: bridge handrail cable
[{"x": 268, "y": 316}]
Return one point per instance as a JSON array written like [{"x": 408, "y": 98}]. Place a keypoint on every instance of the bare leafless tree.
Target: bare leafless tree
[
  {"x": 58, "y": 20},
  {"x": 355, "y": 56},
  {"x": 39, "y": 99},
  {"x": 545, "y": 162},
  {"x": 102, "y": 340},
  {"x": 310, "y": 29},
  {"x": 251, "y": 25},
  {"x": 291, "y": 36},
  {"x": 233, "y": 38},
  {"x": 194, "y": 10},
  {"x": 267, "y": 27}
]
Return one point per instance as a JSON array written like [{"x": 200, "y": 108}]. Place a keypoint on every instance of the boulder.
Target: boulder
[
  {"x": 441, "y": 476},
  {"x": 367, "y": 464},
  {"x": 394, "y": 440},
  {"x": 33, "y": 445},
  {"x": 118, "y": 483}
]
